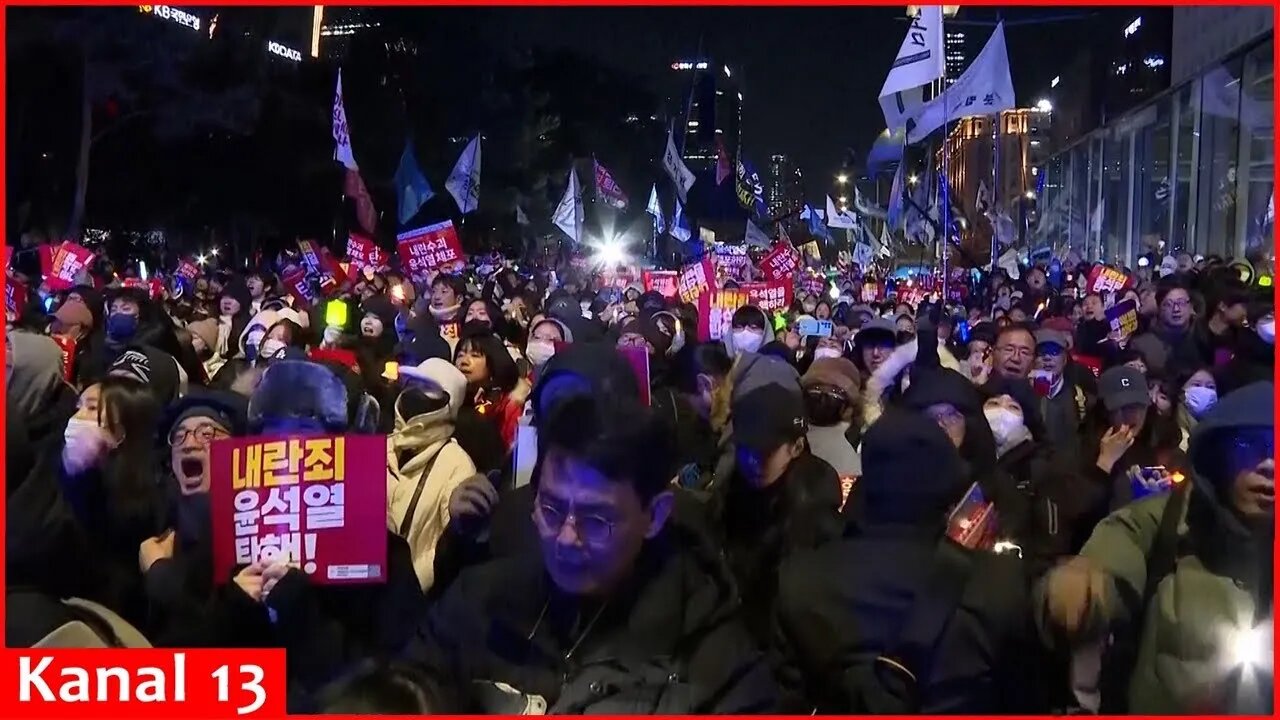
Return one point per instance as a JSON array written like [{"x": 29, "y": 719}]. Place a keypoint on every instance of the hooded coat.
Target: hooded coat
[
  {"x": 841, "y": 605},
  {"x": 1220, "y": 583},
  {"x": 424, "y": 466}
]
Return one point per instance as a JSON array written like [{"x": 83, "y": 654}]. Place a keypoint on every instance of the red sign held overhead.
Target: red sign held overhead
[
  {"x": 769, "y": 296},
  {"x": 665, "y": 282},
  {"x": 363, "y": 252},
  {"x": 67, "y": 262},
  {"x": 780, "y": 264},
  {"x": 430, "y": 248},
  {"x": 695, "y": 280}
]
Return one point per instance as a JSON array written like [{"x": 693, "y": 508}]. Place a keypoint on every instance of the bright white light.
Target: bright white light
[
  {"x": 201, "y": 259},
  {"x": 1035, "y": 171},
  {"x": 1133, "y": 26},
  {"x": 1031, "y": 194},
  {"x": 142, "y": 269},
  {"x": 842, "y": 178},
  {"x": 1249, "y": 647},
  {"x": 214, "y": 252},
  {"x": 1054, "y": 83},
  {"x": 843, "y": 199},
  {"x": 912, "y": 179},
  {"x": 1143, "y": 262},
  {"x": 1043, "y": 105},
  {"x": 834, "y": 293},
  {"x": 611, "y": 253},
  {"x": 726, "y": 72}
]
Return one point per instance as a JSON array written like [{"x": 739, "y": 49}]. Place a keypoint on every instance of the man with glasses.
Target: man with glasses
[
  {"x": 1169, "y": 341},
  {"x": 624, "y": 611},
  {"x": 1015, "y": 352},
  {"x": 1181, "y": 580},
  {"x": 1062, "y": 402}
]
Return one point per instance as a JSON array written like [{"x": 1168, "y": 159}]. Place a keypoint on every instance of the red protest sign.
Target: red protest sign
[
  {"x": 68, "y": 261},
  {"x": 715, "y": 313},
  {"x": 769, "y": 296},
  {"x": 730, "y": 260},
  {"x": 665, "y": 282},
  {"x": 187, "y": 269},
  {"x": 695, "y": 280},
  {"x": 780, "y": 263},
  {"x": 1103, "y": 279},
  {"x": 15, "y": 296},
  {"x": 429, "y": 248},
  {"x": 278, "y": 498},
  {"x": 638, "y": 359},
  {"x": 363, "y": 252},
  {"x": 295, "y": 281}
]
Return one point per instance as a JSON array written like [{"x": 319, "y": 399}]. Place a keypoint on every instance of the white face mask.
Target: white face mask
[
  {"x": 1199, "y": 400},
  {"x": 1267, "y": 331},
  {"x": 270, "y": 348},
  {"x": 745, "y": 340},
  {"x": 825, "y": 352},
  {"x": 82, "y": 442},
  {"x": 1004, "y": 423},
  {"x": 540, "y": 351}
]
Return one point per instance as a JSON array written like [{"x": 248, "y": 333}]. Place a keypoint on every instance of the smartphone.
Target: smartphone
[{"x": 809, "y": 327}]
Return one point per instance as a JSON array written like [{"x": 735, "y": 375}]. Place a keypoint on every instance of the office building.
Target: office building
[
  {"x": 1205, "y": 34},
  {"x": 783, "y": 190},
  {"x": 337, "y": 26},
  {"x": 705, "y": 102}
]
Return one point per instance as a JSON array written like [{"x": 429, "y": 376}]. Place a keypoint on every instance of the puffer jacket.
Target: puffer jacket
[
  {"x": 1220, "y": 585},
  {"x": 886, "y": 381},
  {"x": 669, "y": 641},
  {"x": 424, "y": 466}
]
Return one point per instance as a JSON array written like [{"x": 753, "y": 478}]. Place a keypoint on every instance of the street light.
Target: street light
[
  {"x": 911, "y": 180},
  {"x": 842, "y": 178},
  {"x": 843, "y": 199},
  {"x": 1031, "y": 194},
  {"x": 1043, "y": 105},
  {"x": 214, "y": 252}
]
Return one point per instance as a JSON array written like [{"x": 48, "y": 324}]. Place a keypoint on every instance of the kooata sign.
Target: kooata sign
[{"x": 287, "y": 53}]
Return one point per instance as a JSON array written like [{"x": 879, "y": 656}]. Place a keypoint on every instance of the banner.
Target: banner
[
  {"x": 1123, "y": 318},
  {"x": 68, "y": 261},
  {"x": 780, "y": 264},
  {"x": 729, "y": 259},
  {"x": 363, "y": 252},
  {"x": 769, "y": 296},
  {"x": 277, "y": 498},
  {"x": 1103, "y": 279},
  {"x": 695, "y": 280},
  {"x": 665, "y": 282},
  {"x": 984, "y": 88},
  {"x": 299, "y": 287},
  {"x": 429, "y": 248},
  {"x": 607, "y": 189}
]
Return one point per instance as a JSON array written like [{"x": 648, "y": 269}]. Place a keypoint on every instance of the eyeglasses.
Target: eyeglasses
[
  {"x": 593, "y": 529},
  {"x": 1016, "y": 351},
  {"x": 1175, "y": 304},
  {"x": 204, "y": 434}
]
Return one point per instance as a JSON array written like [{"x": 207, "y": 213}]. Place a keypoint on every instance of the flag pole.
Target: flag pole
[{"x": 945, "y": 182}]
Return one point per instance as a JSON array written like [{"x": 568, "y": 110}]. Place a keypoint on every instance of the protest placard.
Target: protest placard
[
  {"x": 715, "y": 313},
  {"x": 1123, "y": 318},
  {"x": 1103, "y": 279},
  {"x": 695, "y": 280},
  {"x": 770, "y": 296},
  {"x": 363, "y": 252},
  {"x": 780, "y": 264},
  {"x": 665, "y": 282},
  {"x": 68, "y": 260},
  {"x": 429, "y": 248},
  {"x": 285, "y": 498}
]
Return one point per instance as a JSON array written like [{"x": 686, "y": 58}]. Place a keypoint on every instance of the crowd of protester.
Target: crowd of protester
[{"x": 766, "y": 528}]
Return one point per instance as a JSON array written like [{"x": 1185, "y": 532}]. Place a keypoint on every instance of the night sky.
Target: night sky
[{"x": 811, "y": 75}]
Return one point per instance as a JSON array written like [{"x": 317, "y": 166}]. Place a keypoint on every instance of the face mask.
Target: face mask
[
  {"x": 747, "y": 340},
  {"x": 270, "y": 349},
  {"x": 121, "y": 326},
  {"x": 539, "y": 352},
  {"x": 1004, "y": 423},
  {"x": 1267, "y": 331},
  {"x": 1199, "y": 400},
  {"x": 825, "y": 352},
  {"x": 445, "y": 313},
  {"x": 82, "y": 440}
]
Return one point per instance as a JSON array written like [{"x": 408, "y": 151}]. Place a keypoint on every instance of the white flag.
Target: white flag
[
  {"x": 985, "y": 88},
  {"x": 675, "y": 167},
  {"x": 838, "y": 219},
  {"x": 1009, "y": 263},
  {"x": 920, "y": 61},
  {"x": 521, "y": 218},
  {"x": 680, "y": 229},
  {"x": 341, "y": 133},
  {"x": 865, "y": 208},
  {"x": 862, "y": 254},
  {"x": 755, "y": 236},
  {"x": 884, "y": 251},
  {"x": 568, "y": 214},
  {"x": 654, "y": 208},
  {"x": 464, "y": 182}
]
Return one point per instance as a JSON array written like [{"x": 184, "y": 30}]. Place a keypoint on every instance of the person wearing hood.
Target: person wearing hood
[
  {"x": 848, "y": 628},
  {"x": 1182, "y": 580},
  {"x": 1255, "y": 356},
  {"x": 749, "y": 330},
  {"x": 780, "y": 499},
  {"x": 833, "y": 403},
  {"x": 35, "y": 386},
  {"x": 544, "y": 335},
  {"x": 234, "y": 312},
  {"x": 424, "y": 462},
  {"x": 244, "y": 356},
  {"x": 1197, "y": 393},
  {"x": 873, "y": 344},
  {"x": 621, "y": 614}
]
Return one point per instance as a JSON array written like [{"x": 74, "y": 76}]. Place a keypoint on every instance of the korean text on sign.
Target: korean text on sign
[
  {"x": 1123, "y": 318},
  {"x": 695, "y": 280},
  {"x": 780, "y": 263},
  {"x": 429, "y": 248},
  {"x": 67, "y": 262},
  {"x": 364, "y": 252},
  {"x": 314, "y": 502},
  {"x": 1103, "y": 279},
  {"x": 721, "y": 307},
  {"x": 769, "y": 296},
  {"x": 664, "y": 282}
]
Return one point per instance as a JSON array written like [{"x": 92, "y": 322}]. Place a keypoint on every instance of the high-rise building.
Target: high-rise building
[
  {"x": 957, "y": 53},
  {"x": 783, "y": 193},
  {"x": 1205, "y": 34},
  {"x": 336, "y": 26},
  {"x": 705, "y": 102}
]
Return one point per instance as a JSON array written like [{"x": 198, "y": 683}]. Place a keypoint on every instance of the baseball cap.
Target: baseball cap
[
  {"x": 1048, "y": 336},
  {"x": 1123, "y": 386},
  {"x": 880, "y": 330},
  {"x": 767, "y": 417}
]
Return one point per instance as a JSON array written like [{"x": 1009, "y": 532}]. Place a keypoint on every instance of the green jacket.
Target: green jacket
[{"x": 1222, "y": 575}]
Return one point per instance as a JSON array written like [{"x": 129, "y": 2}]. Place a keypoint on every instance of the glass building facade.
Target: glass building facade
[{"x": 1193, "y": 170}]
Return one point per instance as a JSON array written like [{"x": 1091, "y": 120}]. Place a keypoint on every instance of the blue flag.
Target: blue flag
[
  {"x": 412, "y": 190},
  {"x": 817, "y": 228}
]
